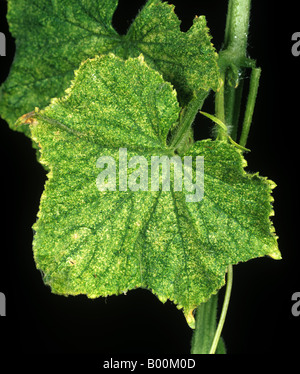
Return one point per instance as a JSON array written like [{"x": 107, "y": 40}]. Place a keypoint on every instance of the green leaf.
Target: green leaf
[
  {"x": 187, "y": 60},
  {"x": 54, "y": 37},
  {"x": 103, "y": 243}
]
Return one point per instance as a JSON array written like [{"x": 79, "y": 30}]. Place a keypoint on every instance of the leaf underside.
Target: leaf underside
[
  {"x": 103, "y": 243},
  {"x": 54, "y": 37}
]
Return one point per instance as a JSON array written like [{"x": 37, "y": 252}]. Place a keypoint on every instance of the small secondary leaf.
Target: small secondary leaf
[
  {"x": 103, "y": 243},
  {"x": 54, "y": 37}
]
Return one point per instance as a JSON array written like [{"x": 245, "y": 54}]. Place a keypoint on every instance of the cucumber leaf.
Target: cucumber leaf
[
  {"x": 54, "y": 37},
  {"x": 107, "y": 242}
]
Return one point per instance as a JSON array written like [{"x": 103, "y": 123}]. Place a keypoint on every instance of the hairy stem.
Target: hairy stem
[
  {"x": 237, "y": 25},
  {"x": 232, "y": 61}
]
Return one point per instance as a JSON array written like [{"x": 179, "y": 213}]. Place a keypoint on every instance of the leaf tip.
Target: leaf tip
[
  {"x": 272, "y": 184},
  {"x": 141, "y": 59},
  {"x": 275, "y": 253}
]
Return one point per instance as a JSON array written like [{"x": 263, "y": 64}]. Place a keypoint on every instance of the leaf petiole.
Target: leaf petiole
[
  {"x": 220, "y": 109},
  {"x": 254, "y": 83},
  {"x": 187, "y": 118}
]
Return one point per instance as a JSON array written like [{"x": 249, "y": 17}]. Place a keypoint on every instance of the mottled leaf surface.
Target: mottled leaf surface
[
  {"x": 54, "y": 37},
  {"x": 104, "y": 243}
]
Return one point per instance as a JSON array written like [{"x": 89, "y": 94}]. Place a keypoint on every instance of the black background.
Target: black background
[{"x": 259, "y": 320}]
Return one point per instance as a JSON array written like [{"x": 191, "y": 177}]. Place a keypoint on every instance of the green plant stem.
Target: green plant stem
[
  {"x": 237, "y": 25},
  {"x": 220, "y": 108},
  {"x": 233, "y": 108},
  {"x": 206, "y": 317},
  {"x": 224, "y": 310},
  {"x": 206, "y": 338},
  {"x": 187, "y": 118},
  {"x": 232, "y": 61},
  {"x": 254, "y": 83}
]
